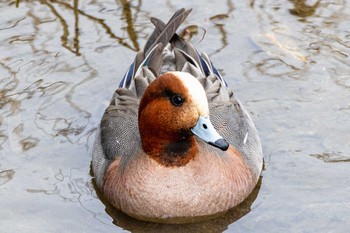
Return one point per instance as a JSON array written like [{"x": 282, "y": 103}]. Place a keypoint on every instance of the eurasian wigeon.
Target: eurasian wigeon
[{"x": 175, "y": 144}]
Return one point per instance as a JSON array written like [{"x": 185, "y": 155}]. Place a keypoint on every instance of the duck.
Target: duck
[{"x": 175, "y": 145}]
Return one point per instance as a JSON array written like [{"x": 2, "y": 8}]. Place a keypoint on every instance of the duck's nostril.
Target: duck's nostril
[{"x": 205, "y": 126}]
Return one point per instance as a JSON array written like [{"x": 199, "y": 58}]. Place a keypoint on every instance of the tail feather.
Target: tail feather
[
  {"x": 164, "y": 32},
  {"x": 186, "y": 56}
]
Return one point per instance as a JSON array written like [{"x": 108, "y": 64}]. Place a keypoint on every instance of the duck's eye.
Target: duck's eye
[{"x": 177, "y": 100}]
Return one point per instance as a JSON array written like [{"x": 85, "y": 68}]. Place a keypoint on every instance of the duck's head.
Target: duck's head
[{"x": 172, "y": 110}]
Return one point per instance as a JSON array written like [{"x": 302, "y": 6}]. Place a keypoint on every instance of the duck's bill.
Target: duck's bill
[{"x": 204, "y": 129}]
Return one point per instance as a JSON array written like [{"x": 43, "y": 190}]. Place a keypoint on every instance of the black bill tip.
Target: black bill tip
[{"x": 221, "y": 144}]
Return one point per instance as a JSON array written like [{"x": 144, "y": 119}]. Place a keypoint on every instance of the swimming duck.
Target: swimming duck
[{"x": 175, "y": 144}]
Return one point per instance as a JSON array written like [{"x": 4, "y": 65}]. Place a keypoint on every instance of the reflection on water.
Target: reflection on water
[
  {"x": 302, "y": 9},
  {"x": 61, "y": 61},
  {"x": 332, "y": 157},
  {"x": 6, "y": 176}
]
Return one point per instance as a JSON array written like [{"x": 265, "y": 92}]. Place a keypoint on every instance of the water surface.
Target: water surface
[{"x": 287, "y": 61}]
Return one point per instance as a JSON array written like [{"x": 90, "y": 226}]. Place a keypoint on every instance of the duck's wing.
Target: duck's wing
[{"x": 117, "y": 134}]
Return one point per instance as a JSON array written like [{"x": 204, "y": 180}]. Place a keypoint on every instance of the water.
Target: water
[{"x": 287, "y": 61}]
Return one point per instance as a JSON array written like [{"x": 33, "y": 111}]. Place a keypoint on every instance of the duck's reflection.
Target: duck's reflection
[{"x": 217, "y": 224}]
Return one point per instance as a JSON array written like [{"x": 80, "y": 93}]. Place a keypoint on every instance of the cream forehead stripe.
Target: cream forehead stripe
[{"x": 196, "y": 90}]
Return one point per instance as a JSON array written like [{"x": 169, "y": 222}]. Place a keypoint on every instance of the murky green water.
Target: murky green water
[{"x": 288, "y": 62}]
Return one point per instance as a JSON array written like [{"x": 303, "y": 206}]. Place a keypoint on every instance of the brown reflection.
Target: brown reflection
[
  {"x": 6, "y": 176},
  {"x": 8, "y": 103},
  {"x": 108, "y": 30},
  {"x": 303, "y": 10},
  {"x": 129, "y": 12},
  {"x": 190, "y": 31},
  {"x": 129, "y": 21},
  {"x": 28, "y": 143},
  {"x": 76, "y": 27},
  {"x": 3, "y": 137},
  {"x": 53, "y": 6},
  {"x": 14, "y": 25},
  {"x": 219, "y": 22},
  {"x": 65, "y": 27},
  {"x": 332, "y": 157},
  {"x": 217, "y": 224},
  {"x": 252, "y": 3}
]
